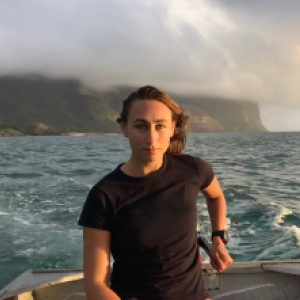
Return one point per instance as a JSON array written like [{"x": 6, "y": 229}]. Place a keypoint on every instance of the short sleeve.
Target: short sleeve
[
  {"x": 97, "y": 210},
  {"x": 206, "y": 172}
]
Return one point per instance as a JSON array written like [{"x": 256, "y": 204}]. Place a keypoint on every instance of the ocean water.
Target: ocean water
[{"x": 44, "y": 182}]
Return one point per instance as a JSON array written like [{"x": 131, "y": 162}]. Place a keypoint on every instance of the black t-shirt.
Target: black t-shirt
[{"x": 152, "y": 221}]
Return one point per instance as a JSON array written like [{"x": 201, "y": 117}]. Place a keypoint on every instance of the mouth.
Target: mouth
[{"x": 151, "y": 150}]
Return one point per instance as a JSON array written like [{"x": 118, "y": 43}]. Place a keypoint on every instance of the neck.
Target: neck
[{"x": 138, "y": 169}]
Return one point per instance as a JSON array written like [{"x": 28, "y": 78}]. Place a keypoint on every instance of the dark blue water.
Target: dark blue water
[{"x": 44, "y": 182}]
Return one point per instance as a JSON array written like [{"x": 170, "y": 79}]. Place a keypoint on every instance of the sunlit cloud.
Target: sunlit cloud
[{"x": 246, "y": 50}]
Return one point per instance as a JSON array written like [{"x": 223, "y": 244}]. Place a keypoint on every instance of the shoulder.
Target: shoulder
[
  {"x": 114, "y": 186},
  {"x": 193, "y": 165},
  {"x": 99, "y": 208},
  {"x": 100, "y": 192},
  {"x": 189, "y": 160},
  {"x": 108, "y": 179}
]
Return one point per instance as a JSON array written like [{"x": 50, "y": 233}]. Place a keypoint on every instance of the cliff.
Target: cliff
[
  {"x": 35, "y": 105},
  {"x": 208, "y": 114}
]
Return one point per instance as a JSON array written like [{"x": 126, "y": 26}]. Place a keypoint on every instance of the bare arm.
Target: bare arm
[
  {"x": 96, "y": 264},
  {"x": 216, "y": 205},
  {"x": 217, "y": 209}
]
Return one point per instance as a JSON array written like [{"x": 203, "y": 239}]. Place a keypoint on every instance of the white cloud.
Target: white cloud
[
  {"x": 280, "y": 117},
  {"x": 241, "y": 49}
]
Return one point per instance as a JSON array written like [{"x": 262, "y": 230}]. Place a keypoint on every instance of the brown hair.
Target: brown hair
[{"x": 177, "y": 141}]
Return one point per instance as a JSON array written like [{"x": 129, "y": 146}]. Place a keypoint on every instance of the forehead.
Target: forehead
[{"x": 149, "y": 110}]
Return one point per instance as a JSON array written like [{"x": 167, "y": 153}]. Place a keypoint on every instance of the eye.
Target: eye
[
  {"x": 141, "y": 126},
  {"x": 160, "y": 126}
]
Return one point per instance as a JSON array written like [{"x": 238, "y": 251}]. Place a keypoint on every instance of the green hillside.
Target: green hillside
[
  {"x": 38, "y": 105},
  {"x": 35, "y": 105}
]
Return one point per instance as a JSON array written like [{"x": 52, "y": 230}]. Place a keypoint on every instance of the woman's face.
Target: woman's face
[{"x": 149, "y": 129}]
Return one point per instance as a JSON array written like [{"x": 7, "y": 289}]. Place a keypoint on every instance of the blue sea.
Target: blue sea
[{"x": 44, "y": 182}]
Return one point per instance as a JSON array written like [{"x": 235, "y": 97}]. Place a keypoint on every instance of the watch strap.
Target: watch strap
[{"x": 222, "y": 234}]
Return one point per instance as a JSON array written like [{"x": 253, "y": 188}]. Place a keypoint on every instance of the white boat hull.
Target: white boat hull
[{"x": 276, "y": 280}]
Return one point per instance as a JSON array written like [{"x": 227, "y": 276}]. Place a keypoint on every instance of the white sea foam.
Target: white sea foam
[
  {"x": 3, "y": 213},
  {"x": 20, "y": 241},
  {"x": 22, "y": 221},
  {"x": 49, "y": 210},
  {"x": 31, "y": 251},
  {"x": 284, "y": 247},
  {"x": 284, "y": 211},
  {"x": 204, "y": 213},
  {"x": 75, "y": 234},
  {"x": 233, "y": 242},
  {"x": 19, "y": 196},
  {"x": 272, "y": 251},
  {"x": 296, "y": 232},
  {"x": 250, "y": 231}
]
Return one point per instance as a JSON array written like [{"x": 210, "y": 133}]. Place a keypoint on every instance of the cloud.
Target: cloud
[
  {"x": 240, "y": 49},
  {"x": 280, "y": 117}
]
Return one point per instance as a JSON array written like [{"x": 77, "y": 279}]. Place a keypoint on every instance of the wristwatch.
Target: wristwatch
[{"x": 223, "y": 234}]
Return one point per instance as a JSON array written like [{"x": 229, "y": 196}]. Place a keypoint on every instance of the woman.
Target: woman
[{"x": 144, "y": 212}]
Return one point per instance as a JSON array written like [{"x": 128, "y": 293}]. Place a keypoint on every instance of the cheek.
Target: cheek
[
  {"x": 165, "y": 138},
  {"x": 135, "y": 137},
  {"x": 169, "y": 133}
]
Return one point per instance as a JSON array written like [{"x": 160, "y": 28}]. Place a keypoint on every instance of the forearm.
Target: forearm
[
  {"x": 217, "y": 209},
  {"x": 217, "y": 212},
  {"x": 220, "y": 258},
  {"x": 100, "y": 291},
  {"x": 96, "y": 264}
]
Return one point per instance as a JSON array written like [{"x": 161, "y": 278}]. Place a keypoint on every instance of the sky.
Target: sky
[{"x": 245, "y": 50}]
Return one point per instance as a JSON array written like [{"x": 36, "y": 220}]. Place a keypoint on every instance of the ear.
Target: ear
[{"x": 124, "y": 129}]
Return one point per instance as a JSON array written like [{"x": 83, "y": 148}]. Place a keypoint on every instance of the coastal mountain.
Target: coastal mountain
[{"x": 35, "y": 105}]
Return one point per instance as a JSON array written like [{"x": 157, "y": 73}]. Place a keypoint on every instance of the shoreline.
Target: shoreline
[{"x": 74, "y": 134}]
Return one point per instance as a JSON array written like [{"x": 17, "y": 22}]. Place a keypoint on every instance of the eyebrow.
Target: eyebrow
[{"x": 145, "y": 121}]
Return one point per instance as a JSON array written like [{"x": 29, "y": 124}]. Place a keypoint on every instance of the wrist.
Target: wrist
[
  {"x": 220, "y": 235},
  {"x": 217, "y": 241}
]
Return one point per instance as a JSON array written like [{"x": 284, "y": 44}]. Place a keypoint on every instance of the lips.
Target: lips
[{"x": 151, "y": 150}]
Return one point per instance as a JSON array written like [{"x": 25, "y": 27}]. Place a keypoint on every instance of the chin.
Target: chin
[{"x": 152, "y": 158}]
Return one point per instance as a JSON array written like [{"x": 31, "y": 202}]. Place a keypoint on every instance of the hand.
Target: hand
[{"x": 220, "y": 258}]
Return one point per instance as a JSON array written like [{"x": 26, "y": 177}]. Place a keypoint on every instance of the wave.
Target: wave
[
  {"x": 285, "y": 247},
  {"x": 31, "y": 251},
  {"x": 22, "y": 221},
  {"x": 295, "y": 231},
  {"x": 282, "y": 214},
  {"x": 23, "y": 175},
  {"x": 3, "y": 213}
]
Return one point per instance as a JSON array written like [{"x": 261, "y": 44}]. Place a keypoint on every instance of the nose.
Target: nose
[{"x": 151, "y": 135}]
